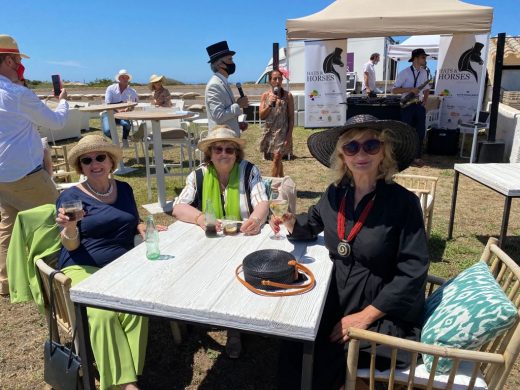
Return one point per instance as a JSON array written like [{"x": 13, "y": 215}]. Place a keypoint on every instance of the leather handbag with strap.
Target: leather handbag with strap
[
  {"x": 61, "y": 364},
  {"x": 270, "y": 271}
]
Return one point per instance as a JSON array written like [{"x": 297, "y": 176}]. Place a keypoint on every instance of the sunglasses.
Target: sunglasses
[
  {"x": 88, "y": 160},
  {"x": 371, "y": 146},
  {"x": 220, "y": 149}
]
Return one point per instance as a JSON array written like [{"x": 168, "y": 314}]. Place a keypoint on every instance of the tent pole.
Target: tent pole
[
  {"x": 287, "y": 59},
  {"x": 473, "y": 156},
  {"x": 385, "y": 69}
]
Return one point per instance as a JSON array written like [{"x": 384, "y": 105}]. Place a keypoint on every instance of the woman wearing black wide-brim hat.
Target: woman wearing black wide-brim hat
[{"x": 380, "y": 266}]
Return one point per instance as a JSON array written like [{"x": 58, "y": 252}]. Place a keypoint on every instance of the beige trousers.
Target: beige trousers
[{"x": 28, "y": 192}]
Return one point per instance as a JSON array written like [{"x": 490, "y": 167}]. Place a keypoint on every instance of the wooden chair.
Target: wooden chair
[
  {"x": 65, "y": 317},
  {"x": 492, "y": 363},
  {"x": 424, "y": 187},
  {"x": 60, "y": 164}
]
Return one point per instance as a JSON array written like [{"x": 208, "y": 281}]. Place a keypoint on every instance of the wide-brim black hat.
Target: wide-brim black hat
[
  {"x": 417, "y": 53},
  {"x": 403, "y": 137},
  {"x": 219, "y": 50}
]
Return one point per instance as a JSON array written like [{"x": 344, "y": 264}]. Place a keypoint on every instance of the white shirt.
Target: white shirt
[
  {"x": 114, "y": 95},
  {"x": 369, "y": 68},
  {"x": 408, "y": 78},
  {"x": 21, "y": 112},
  {"x": 257, "y": 195}
]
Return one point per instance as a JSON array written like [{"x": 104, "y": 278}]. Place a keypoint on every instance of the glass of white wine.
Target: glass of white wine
[{"x": 279, "y": 206}]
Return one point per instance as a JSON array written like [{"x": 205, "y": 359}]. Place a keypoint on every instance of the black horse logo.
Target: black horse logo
[
  {"x": 469, "y": 56},
  {"x": 331, "y": 60}
]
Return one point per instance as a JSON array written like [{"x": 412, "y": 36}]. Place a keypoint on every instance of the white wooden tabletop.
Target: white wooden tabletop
[
  {"x": 504, "y": 178},
  {"x": 196, "y": 282},
  {"x": 107, "y": 107}
]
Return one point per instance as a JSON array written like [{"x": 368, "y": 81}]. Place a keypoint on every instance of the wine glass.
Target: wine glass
[{"x": 279, "y": 206}]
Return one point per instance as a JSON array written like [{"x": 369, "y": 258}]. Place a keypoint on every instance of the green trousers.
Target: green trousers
[{"x": 118, "y": 340}]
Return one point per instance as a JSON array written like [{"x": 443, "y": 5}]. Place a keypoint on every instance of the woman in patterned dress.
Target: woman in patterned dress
[{"x": 277, "y": 111}]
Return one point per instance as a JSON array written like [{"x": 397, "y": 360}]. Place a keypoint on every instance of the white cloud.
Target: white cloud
[{"x": 71, "y": 63}]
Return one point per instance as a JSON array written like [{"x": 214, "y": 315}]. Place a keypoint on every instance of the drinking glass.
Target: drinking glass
[
  {"x": 279, "y": 206},
  {"x": 72, "y": 209}
]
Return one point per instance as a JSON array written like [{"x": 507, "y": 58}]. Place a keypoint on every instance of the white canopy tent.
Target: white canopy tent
[
  {"x": 403, "y": 51},
  {"x": 349, "y": 19}
]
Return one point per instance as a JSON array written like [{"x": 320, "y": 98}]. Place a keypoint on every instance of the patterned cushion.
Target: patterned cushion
[{"x": 466, "y": 312}]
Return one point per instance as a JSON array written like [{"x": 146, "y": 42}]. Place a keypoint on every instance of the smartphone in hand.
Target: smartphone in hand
[{"x": 56, "y": 84}]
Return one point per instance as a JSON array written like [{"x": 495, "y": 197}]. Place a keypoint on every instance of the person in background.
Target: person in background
[
  {"x": 409, "y": 80},
  {"x": 121, "y": 92},
  {"x": 380, "y": 269},
  {"x": 224, "y": 179},
  {"x": 369, "y": 75},
  {"x": 220, "y": 101},
  {"x": 101, "y": 232},
  {"x": 24, "y": 183},
  {"x": 277, "y": 111},
  {"x": 161, "y": 96}
]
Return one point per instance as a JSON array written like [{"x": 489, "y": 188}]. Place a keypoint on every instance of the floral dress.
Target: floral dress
[{"x": 276, "y": 126}]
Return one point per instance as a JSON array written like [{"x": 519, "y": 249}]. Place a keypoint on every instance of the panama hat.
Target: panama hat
[
  {"x": 220, "y": 134},
  {"x": 94, "y": 143},
  {"x": 9, "y": 46},
  {"x": 404, "y": 139},
  {"x": 417, "y": 53},
  {"x": 155, "y": 79},
  {"x": 218, "y": 50},
  {"x": 123, "y": 72}
]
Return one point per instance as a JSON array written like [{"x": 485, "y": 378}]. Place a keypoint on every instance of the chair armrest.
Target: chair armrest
[
  {"x": 436, "y": 280},
  {"x": 415, "y": 346}
]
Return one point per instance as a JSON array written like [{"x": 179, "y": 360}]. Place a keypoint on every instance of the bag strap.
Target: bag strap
[
  {"x": 247, "y": 185},
  {"x": 199, "y": 179},
  {"x": 299, "y": 289},
  {"x": 52, "y": 316}
]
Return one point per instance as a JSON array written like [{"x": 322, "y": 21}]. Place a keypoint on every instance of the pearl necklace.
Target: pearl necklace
[{"x": 101, "y": 194}]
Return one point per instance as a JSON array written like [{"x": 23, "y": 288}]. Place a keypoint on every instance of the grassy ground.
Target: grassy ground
[{"x": 200, "y": 362}]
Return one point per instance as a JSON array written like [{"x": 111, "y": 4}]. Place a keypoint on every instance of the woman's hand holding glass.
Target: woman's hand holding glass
[
  {"x": 279, "y": 207},
  {"x": 69, "y": 214}
]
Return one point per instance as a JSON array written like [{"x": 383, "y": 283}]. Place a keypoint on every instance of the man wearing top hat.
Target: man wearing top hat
[
  {"x": 24, "y": 183},
  {"x": 414, "y": 79},
  {"x": 220, "y": 102}
]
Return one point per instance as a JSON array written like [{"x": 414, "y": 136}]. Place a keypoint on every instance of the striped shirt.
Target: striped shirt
[{"x": 257, "y": 194}]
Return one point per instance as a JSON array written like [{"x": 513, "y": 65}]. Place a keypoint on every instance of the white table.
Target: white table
[
  {"x": 155, "y": 116},
  {"x": 195, "y": 282},
  {"x": 110, "y": 108},
  {"x": 502, "y": 178}
]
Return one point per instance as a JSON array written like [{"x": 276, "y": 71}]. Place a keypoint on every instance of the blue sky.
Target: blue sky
[{"x": 85, "y": 40}]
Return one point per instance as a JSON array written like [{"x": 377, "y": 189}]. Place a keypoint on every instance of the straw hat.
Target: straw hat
[
  {"x": 155, "y": 79},
  {"x": 94, "y": 143},
  {"x": 123, "y": 72},
  {"x": 9, "y": 46},
  {"x": 404, "y": 139},
  {"x": 220, "y": 134}
]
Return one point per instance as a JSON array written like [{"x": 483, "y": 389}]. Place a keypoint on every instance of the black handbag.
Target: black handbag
[
  {"x": 267, "y": 270},
  {"x": 61, "y": 364}
]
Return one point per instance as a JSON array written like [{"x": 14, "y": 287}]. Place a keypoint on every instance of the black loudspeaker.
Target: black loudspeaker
[{"x": 443, "y": 142}]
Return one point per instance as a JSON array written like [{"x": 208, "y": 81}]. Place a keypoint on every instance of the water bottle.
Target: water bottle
[
  {"x": 210, "y": 219},
  {"x": 152, "y": 239}
]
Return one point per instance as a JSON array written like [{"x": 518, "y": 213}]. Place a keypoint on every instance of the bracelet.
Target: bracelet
[
  {"x": 71, "y": 238},
  {"x": 197, "y": 217}
]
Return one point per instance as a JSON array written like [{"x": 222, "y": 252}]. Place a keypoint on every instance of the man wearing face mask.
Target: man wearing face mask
[
  {"x": 220, "y": 102},
  {"x": 24, "y": 183}
]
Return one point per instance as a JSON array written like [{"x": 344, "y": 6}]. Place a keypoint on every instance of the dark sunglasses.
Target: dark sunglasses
[
  {"x": 371, "y": 146},
  {"x": 88, "y": 160},
  {"x": 220, "y": 149}
]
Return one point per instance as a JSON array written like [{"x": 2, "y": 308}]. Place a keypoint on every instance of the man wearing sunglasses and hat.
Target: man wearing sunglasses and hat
[
  {"x": 415, "y": 79},
  {"x": 24, "y": 183},
  {"x": 220, "y": 102}
]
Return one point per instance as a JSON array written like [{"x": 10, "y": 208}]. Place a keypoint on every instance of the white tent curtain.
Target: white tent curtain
[
  {"x": 350, "y": 19},
  {"x": 403, "y": 51}
]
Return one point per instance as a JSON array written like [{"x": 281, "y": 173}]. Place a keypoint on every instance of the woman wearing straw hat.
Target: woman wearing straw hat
[
  {"x": 161, "y": 96},
  {"x": 375, "y": 235},
  {"x": 233, "y": 186},
  {"x": 102, "y": 231}
]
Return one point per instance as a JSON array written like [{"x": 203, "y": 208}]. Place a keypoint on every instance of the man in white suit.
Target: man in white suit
[{"x": 220, "y": 102}]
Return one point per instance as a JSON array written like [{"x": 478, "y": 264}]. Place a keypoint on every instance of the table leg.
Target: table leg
[
  {"x": 307, "y": 362},
  {"x": 159, "y": 163},
  {"x": 453, "y": 204},
  {"x": 85, "y": 351},
  {"x": 115, "y": 140},
  {"x": 505, "y": 221}
]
